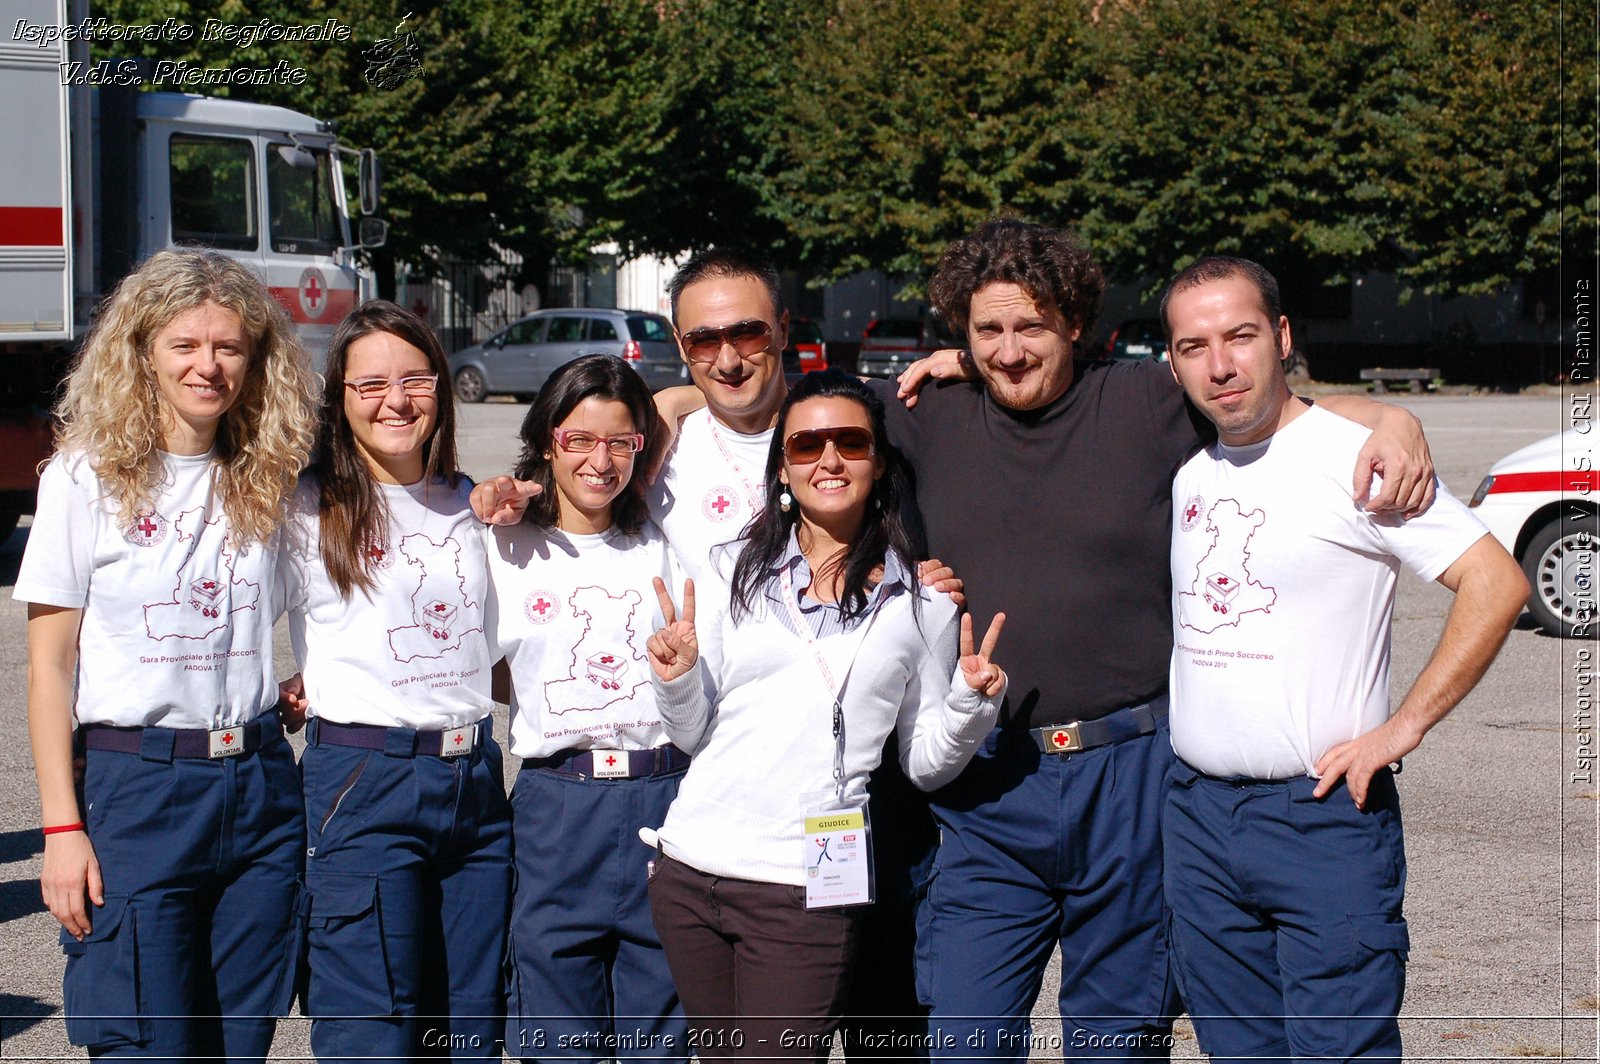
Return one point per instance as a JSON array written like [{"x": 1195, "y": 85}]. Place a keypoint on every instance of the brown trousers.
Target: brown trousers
[{"x": 758, "y": 973}]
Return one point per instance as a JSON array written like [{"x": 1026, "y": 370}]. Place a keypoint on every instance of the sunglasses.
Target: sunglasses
[
  {"x": 746, "y": 337},
  {"x": 378, "y": 387},
  {"x": 806, "y": 446},
  {"x": 575, "y": 442}
]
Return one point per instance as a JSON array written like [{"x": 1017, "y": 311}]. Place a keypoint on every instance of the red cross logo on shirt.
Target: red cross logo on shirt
[
  {"x": 460, "y": 739},
  {"x": 611, "y": 760},
  {"x": 227, "y": 739},
  {"x": 376, "y": 553},
  {"x": 439, "y": 607},
  {"x": 607, "y": 659},
  {"x": 147, "y": 526},
  {"x": 1191, "y": 512},
  {"x": 1223, "y": 581},
  {"x": 721, "y": 504},
  {"x": 541, "y": 606}
]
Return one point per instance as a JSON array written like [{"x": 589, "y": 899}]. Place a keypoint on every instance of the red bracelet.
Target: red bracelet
[{"x": 59, "y": 828}]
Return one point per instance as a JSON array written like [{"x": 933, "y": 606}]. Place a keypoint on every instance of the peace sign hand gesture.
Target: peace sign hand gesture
[
  {"x": 981, "y": 674},
  {"x": 675, "y": 648}
]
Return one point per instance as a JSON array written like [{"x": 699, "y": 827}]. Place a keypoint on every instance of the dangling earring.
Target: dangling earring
[{"x": 785, "y": 501}]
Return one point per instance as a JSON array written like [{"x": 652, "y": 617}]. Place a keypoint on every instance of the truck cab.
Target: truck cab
[
  {"x": 259, "y": 183},
  {"x": 101, "y": 176}
]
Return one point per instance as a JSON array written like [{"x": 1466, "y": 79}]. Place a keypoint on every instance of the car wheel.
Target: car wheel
[
  {"x": 1560, "y": 564},
  {"x": 470, "y": 385}
]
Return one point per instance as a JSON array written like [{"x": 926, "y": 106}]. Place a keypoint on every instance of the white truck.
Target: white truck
[{"x": 99, "y": 175}]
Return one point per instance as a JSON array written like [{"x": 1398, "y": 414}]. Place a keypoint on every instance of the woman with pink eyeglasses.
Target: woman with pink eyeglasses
[{"x": 573, "y": 585}]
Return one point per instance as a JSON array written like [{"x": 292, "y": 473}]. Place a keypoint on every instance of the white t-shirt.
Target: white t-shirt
[
  {"x": 414, "y": 652},
  {"x": 712, "y": 484},
  {"x": 1283, "y": 589},
  {"x": 177, "y": 624},
  {"x": 573, "y": 613}
]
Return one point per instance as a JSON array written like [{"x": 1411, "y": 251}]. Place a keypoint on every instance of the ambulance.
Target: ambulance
[{"x": 100, "y": 175}]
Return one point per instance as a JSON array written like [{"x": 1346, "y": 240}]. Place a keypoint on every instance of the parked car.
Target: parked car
[
  {"x": 805, "y": 339},
  {"x": 1136, "y": 340},
  {"x": 888, "y": 345},
  {"x": 517, "y": 359},
  {"x": 1542, "y": 505}
]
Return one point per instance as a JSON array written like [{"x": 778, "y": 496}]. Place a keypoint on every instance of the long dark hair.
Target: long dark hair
[
  {"x": 892, "y": 524},
  {"x": 353, "y": 513},
  {"x": 589, "y": 377}
]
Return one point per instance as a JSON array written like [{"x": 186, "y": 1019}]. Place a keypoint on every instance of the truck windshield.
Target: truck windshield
[
  {"x": 213, "y": 192},
  {"x": 304, "y": 214}
]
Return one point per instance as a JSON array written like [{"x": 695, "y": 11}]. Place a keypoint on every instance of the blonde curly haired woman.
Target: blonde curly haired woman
[{"x": 151, "y": 578}]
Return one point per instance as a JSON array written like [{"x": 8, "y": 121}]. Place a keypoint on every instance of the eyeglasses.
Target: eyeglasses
[
  {"x": 746, "y": 337},
  {"x": 807, "y": 445},
  {"x": 378, "y": 387},
  {"x": 583, "y": 442}
]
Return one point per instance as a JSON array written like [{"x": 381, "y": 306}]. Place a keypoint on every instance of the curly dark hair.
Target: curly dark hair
[
  {"x": 1052, "y": 265},
  {"x": 587, "y": 377}
]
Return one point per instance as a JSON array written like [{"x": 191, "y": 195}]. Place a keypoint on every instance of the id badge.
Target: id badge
[{"x": 838, "y": 855}]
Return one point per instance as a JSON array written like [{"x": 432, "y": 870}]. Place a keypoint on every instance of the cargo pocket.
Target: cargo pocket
[
  {"x": 1381, "y": 933},
  {"x": 347, "y": 955},
  {"x": 101, "y": 989}
]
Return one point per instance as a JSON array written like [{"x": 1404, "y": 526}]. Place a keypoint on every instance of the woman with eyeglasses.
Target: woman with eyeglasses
[
  {"x": 574, "y": 587},
  {"x": 408, "y": 855},
  {"x": 818, "y": 644},
  {"x": 150, "y": 578}
]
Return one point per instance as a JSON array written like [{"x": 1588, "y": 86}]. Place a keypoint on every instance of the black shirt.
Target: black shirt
[{"x": 1060, "y": 518}]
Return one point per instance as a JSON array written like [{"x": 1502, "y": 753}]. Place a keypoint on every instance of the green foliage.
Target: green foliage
[{"x": 1325, "y": 137}]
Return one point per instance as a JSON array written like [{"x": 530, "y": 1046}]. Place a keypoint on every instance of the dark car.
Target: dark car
[
  {"x": 888, "y": 345},
  {"x": 518, "y": 359},
  {"x": 1136, "y": 340}
]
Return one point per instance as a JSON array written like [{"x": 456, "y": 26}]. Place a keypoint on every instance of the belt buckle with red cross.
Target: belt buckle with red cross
[
  {"x": 1063, "y": 738},
  {"x": 610, "y": 764},
  {"x": 225, "y": 742},
  {"x": 454, "y": 742}
]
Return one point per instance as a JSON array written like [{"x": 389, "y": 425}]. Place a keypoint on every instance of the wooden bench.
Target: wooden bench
[{"x": 1417, "y": 378}]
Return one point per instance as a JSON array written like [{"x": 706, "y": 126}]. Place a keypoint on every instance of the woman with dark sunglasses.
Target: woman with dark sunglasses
[
  {"x": 573, "y": 582},
  {"x": 408, "y": 856},
  {"x": 820, "y": 641}
]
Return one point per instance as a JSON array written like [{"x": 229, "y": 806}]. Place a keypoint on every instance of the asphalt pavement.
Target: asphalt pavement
[{"x": 1501, "y": 841}]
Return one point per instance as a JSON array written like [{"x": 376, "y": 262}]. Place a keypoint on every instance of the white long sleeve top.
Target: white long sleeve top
[{"x": 757, "y": 713}]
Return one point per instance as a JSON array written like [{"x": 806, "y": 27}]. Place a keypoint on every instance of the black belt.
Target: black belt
[
  {"x": 165, "y": 744},
  {"x": 1118, "y": 726},
  {"x": 592, "y": 764},
  {"x": 402, "y": 742}
]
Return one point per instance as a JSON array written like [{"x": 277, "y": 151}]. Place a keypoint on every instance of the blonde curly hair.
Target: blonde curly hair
[{"x": 112, "y": 411}]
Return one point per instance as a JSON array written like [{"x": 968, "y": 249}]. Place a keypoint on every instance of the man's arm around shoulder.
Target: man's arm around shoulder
[{"x": 1490, "y": 591}]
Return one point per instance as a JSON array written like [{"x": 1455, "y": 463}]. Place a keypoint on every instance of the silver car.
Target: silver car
[{"x": 517, "y": 360}]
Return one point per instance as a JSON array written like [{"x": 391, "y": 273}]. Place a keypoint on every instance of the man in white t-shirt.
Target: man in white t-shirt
[
  {"x": 1284, "y": 860},
  {"x": 728, "y": 313}
]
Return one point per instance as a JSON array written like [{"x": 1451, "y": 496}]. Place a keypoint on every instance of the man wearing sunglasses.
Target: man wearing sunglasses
[{"x": 1046, "y": 483}]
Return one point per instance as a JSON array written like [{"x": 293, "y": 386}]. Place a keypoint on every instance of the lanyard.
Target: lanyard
[
  {"x": 804, "y": 630},
  {"x": 753, "y": 494}
]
